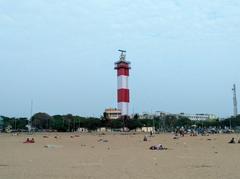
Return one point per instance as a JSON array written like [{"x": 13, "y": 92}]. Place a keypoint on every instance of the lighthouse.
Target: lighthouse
[{"x": 123, "y": 94}]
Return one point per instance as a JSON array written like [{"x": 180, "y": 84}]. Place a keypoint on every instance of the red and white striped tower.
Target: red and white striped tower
[{"x": 122, "y": 66}]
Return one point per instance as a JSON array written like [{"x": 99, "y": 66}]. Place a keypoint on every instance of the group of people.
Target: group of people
[
  {"x": 158, "y": 147},
  {"x": 154, "y": 147},
  {"x": 28, "y": 141},
  {"x": 180, "y": 131}
]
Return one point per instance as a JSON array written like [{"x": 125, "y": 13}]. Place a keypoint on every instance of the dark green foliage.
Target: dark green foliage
[
  {"x": 41, "y": 120},
  {"x": 68, "y": 123},
  {"x": 136, "y": 116},
  {"x": 117, "y": 124},
  {"x": 91, "y": 123},
  {"x": 233, "y": 121},
  {"x": 133, "y": 124},
  {"x": 21, "y": 123},
  {"x": 147, "y": 122},
  {"x": 171, "y": 121},
  {"x": 183, "y": 121},
  {"x": 208, "y": 123},
  {"x": 16, "y": 123},
  {"x": 58, "y": 123},
  {"x": 1, "y": 123}
]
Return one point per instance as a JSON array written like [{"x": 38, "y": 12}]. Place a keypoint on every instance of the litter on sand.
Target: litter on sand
[
  {"x": 175, "y": 137},
  {"x": 52, "y": 146},
  {"x": 102, "y": 140}
]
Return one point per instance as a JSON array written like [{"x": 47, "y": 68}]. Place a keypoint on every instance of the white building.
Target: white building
[
  {"x": 193, "y": 117},
  {"x": 199, "y": 117},
  {"x": 146, "y": 115},
  {"x": 112, "y": 113}
]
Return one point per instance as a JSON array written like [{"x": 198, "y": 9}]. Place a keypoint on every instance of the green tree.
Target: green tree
[
  {"x": 136, "y": 116},
  {"x": 170, "y": 121},
  {"x": 57, "y": 123},
  {"x": 116, "y": 124},
  {"x": 21, "y": 123},
  {"x": 91, "y": 123},
  {"x": 133, "y": 124},
  {"x": 147, "y": 122},
  {"x": 183, "y": 121},
  {"x": 41, "y": 120}
]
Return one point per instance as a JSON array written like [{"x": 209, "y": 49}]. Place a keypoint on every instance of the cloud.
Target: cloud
[{"x": 6, "y": 19}]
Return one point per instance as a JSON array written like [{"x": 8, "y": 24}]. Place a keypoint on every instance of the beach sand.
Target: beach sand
[{"x": 118, "y": 156}]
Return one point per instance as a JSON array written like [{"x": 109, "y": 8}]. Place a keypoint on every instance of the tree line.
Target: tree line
[{"x": 69, "y": 123}]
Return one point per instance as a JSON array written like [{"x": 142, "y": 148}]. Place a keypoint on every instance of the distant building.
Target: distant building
[
  {"x": 199, "y": 117},
  {"x": 145, "y": 129},
  {"x": 146, "y": 115},
  {"x": 112, "y": 113},
  {"x": 193, "y": 117},
  {"x": 162, "y": 114},
  {"x": 104, "y": 129},
  {"x": 148, "y": 129},
  {"x": 157, "y": 114}
]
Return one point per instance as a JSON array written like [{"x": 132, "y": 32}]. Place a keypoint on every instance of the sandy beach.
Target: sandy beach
[{"x": 118, "y": 156}]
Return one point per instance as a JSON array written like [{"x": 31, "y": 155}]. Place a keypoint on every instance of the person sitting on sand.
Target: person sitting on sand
[
  {"x": 181, "y": 131},
  {"x": 32, "y": 140},
  {"x": 145, "y": 138},
  {"x": 27, "y": 141},
  {"x": 239, "y": 140},
  {"x": 232, "y": 141},
  {"x": 177, "y": 132}
]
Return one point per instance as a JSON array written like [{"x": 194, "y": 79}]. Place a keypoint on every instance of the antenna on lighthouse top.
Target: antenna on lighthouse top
[{"x": 123, "y": 55}]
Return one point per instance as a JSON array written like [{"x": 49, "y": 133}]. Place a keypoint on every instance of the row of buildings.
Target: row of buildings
[
  {"x": 113, "y": 113},
  {"x": 193, "y": 117}
]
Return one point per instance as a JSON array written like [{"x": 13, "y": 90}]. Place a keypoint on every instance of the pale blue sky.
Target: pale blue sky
[{"x": 185, "y": 55}]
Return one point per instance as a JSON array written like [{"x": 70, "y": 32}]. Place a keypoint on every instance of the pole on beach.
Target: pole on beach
[
  {"x": 30, "y": 118},
  {"x": 153, "y": 125}
]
